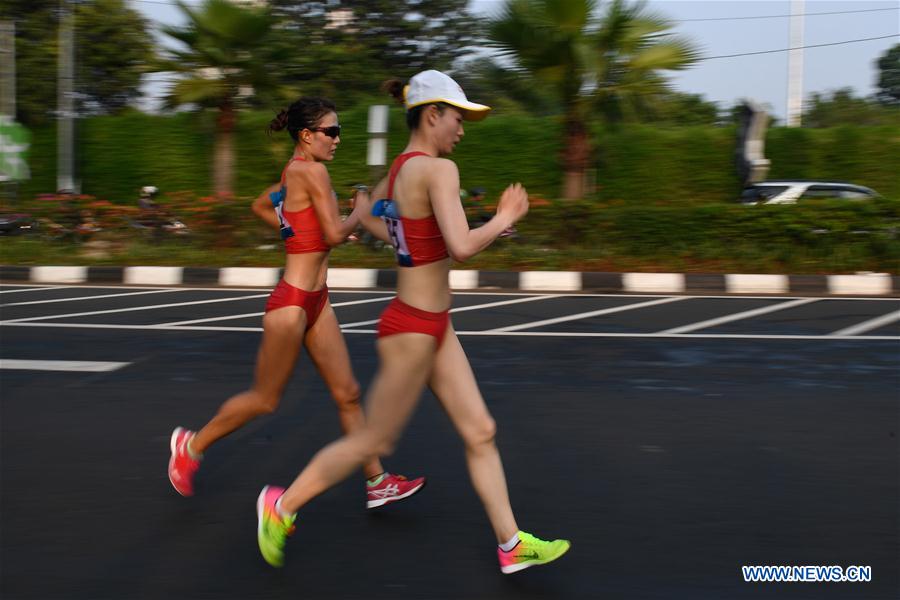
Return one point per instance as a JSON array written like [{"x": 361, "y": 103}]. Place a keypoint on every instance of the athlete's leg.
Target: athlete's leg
[
  {"x": 328, "y": 351},
  {"x": 282, "y": 337},
  {"x": 405, "y": 365},
  {"x": 453, "y": 382}
]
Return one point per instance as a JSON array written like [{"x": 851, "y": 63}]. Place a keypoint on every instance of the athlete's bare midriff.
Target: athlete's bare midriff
[
  {"x": 426, "y": 287},
  {"x": 306, "y": 271}
]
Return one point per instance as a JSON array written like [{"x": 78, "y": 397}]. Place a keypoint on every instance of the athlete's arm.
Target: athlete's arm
[
  {"x": 373, "y": 224},
  {"x": 314, "y": 178},
  {"x": 464, "y": 243},
  {"x": 262, "y": 206}
]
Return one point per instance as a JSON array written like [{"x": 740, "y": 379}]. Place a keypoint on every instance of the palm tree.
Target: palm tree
[
  {"x": 608, "y": 65},
  {"x": 226, "y": 61}
]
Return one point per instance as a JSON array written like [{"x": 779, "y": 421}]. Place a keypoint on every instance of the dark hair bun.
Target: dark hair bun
[
  {"x": 394, "y": 87},
  {"x": 279, "y": 122}
]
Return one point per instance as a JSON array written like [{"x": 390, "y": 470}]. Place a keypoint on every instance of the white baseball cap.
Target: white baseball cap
[{"x": 429, "y": 87}]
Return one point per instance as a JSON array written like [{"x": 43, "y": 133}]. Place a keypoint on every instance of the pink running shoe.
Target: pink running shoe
[
  {"x": 391, "y": 488},
  {"x": 181, "y": 466}
]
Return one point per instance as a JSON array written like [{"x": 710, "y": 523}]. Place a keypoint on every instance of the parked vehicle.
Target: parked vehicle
[
  {"x": 17, "y": 224},
  {"x": 791, "y": 192}
]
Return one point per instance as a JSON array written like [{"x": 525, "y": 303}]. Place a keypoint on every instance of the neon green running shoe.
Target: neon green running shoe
[
  {"x": 273, "y": 529},
  {"x": 531, "y": 551}
]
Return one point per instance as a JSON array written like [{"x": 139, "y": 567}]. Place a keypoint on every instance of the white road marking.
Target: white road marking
[
  {"x": 35, "y": 289},
  {"x": 211, "y": 319},
  {"x": 88, "y": 366},
  {"x": 365, "y": 301},
  {"x": 259, "y": 314},
  {"x": 868, "y": 325},
  {"x": 674, "y": 336},
  {"x": 488, "y": 333},
  {"x": 473, "y": 307},
  {"x": 133, "y": 308},
  {"x": 88, "y": 297},
  {"x": 486, "y": 292},
  {"x": 585, "y": 315},
  {"x": 739, "y": 316}
]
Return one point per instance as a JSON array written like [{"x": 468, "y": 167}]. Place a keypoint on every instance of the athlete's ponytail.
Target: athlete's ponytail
[
  {"x": 394, "y": 88},
  {"x": 278, "y": 123},
  {"x": 397, "y": 89}
]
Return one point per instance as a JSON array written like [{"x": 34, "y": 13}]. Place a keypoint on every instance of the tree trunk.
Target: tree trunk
[
  {"x": 576, "y": 157},
  {"x": 223, "y": 155}
]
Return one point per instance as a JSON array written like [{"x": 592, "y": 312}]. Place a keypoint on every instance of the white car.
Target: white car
[{"x": 791, "y": 192}]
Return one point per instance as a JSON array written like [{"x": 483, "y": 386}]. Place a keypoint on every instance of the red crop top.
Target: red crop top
[
  {"x": 300, "y": 229},
  {"x": 416, "y": 241}
]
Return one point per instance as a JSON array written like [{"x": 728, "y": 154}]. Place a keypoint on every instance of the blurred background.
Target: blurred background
[{"x": 657, "y": 136}]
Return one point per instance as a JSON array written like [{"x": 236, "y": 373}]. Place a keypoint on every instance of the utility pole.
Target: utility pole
[
  {"x": 7, "y": 107},
  {"x": 8, "y": 69},
  {"x": 65, "y": 130},
  {"x": 795, "y": 66}
]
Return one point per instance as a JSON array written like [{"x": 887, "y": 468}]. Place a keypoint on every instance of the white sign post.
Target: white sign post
[{"x": 376, "y": 156}]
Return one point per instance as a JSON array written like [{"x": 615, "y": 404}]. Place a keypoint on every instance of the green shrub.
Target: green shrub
[{"x": 633, "y": 165}]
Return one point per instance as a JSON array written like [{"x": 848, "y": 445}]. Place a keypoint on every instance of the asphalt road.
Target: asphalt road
[{"x": 670, "y": 460}]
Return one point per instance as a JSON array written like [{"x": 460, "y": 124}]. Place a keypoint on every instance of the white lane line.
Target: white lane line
[
  {"x": 739, "y": 316},
  {"x": 128, "y": 327},
  {"x": 88, "y": 297},
  {"x": 585, "y": 315},
  {"x": 133, "y": 308},
  {"x": 473, "y": 307},
  {"x": 366, "y": 301},
  {"x": 868, "y": 325},
  {"x": 30, "y": 287},
  {"x": 36, "y": 289},
  {"x": 259, "y": 314},
  {"x": 211, "y": 319},
  {"x": 88, "y": 366},
  {"x": 676, "y": 336}
]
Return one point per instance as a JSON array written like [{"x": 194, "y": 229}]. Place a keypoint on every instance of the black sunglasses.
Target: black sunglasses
[{"x": 332, "y": 132}]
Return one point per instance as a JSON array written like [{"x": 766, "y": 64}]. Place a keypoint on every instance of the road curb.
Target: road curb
[{"x": 861, "y": 284}]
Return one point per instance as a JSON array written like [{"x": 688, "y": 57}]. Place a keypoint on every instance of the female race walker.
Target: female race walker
[
  {"x": 417, "y": 346},
  {"x": 298, "y": 312}
]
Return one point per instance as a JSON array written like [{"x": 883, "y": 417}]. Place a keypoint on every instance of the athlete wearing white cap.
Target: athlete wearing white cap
[{"x": 431, "y": 87}]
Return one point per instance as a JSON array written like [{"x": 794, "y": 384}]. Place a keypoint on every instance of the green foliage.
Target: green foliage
[
  {"x": 113, "y": 48},
  {"x": 362, "y": 43},
  {"x": 889, "y": 77},
  {"x": 635, "y": 164},
  {"x": 792, "y": 153},
  {"x": 827, "y": 236},
  {"x": 677, "y": 108},
  {"x": 226, "y": 55},
  {"x": 36, "y": 43},
  {"x": 842, "y": 108},
  {"x": 608, "y": 67},
  {"x": 867, "y": 156},
  {"x": 656, "y": 165},
  {"x": 817, "y": 237}
]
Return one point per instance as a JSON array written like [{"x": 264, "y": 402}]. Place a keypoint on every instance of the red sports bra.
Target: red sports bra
[
  {"x": 416, "y": 241},
  {"x": 300, "y": 229}
]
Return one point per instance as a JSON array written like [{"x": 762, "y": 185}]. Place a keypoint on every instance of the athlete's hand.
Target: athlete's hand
[
  {"x": 361, "y": 201},
  {"x": 513, "y": 203}
]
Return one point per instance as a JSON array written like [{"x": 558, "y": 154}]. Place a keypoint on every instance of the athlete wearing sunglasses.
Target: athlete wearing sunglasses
[
  {"x": 298, "y": 313},
  {"x": 334, "y": 131}
]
